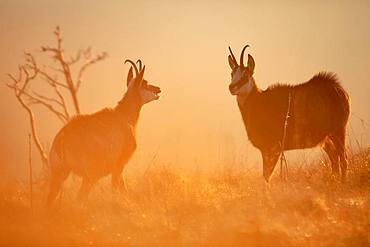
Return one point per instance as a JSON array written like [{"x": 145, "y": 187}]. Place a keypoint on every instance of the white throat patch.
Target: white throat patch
[
  {"x": 246, "y": 89},
  {"x": 147, "y": 96}
]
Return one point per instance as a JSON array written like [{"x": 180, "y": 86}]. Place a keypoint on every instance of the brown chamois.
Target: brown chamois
[
  {"x": 99, "y": 144},
  {"x": 318, "y": 115}
]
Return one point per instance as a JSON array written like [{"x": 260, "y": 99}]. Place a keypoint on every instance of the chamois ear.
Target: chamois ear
[
  {"x": 130, "y": 75},
  {"x": 250, "y": 64},
  {"x": 231, "y": 62},
  {"x": 140, "y": 76}
]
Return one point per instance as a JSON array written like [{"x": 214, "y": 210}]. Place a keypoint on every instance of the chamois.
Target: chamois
[
  {"x": 318, "y": 115},
  {"x": 99, "y": 144}
]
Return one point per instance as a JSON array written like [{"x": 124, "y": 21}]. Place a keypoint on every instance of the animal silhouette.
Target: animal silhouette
[
  {"x": 318, "y": 115},
  {"x": 95, "y": 145}
]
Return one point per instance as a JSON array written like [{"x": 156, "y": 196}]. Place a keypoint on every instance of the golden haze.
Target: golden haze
[
  {"x": 184, "y": 46},
  {"x": 195, "y": 125}
]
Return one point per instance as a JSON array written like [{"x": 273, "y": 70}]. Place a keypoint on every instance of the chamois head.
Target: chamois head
[
  {"x": 242, "y": 82},
  {"x": 140, "y": 87}
]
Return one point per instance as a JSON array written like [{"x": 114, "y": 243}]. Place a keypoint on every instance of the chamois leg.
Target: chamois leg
[
  {"x": 56, "y": 180},
  {"x": 269, "y": 163},
  {"x": 331, "y": 151},
  {"x": 85, "y": 189},
  {"x": 339, "y": 142},
  {"x": 118, "y": 183}
]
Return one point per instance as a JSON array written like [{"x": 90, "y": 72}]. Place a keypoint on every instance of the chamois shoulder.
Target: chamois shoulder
[
  {"x": 322, "y": 79},
  {"x": 279, "y": 87},
  {"x": 104, "y": 115}
]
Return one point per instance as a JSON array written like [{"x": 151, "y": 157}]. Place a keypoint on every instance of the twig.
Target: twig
[
  {"x": 18, "y": 93},
  {"x": 283, "y": 161},
  {"x": 30, "y": 169},
  {"x": 98, "y": 58}
]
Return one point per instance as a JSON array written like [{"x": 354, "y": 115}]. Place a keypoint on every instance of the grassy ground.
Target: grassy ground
[{"x": 168, "y": 207}]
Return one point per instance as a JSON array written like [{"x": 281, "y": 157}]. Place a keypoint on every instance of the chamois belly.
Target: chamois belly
[
  {"x": 310, "y": 123},
  {"x": 304, "y": 131},
  {"x": 97, "y": 165},
  {"x": 93, "y": 156},
  {"x": 104, "y": 159},
  {"x": 302, "y": 140}
]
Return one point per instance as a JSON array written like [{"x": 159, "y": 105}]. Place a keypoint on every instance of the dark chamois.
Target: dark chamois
[
  {"x": 99, "y": 144},
  {"x": 318, "y": 109}
]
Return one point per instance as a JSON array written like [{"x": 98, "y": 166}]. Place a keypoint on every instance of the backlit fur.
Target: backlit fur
[
  {"x": 95, "y": 145},
  {"x": 319, "y": 114}
]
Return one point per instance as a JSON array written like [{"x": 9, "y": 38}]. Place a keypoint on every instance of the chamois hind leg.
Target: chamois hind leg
[
  {"x": 339, "y": 142},
  {"x": 85, "y": 189},
  {"x": 56, "y": 180},
  {"x": 118, "y": 183},
  {"x": 331, "y": 151}
]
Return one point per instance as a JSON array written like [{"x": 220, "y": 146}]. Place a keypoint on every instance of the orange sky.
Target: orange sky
[{"x": 184, "y": 46}]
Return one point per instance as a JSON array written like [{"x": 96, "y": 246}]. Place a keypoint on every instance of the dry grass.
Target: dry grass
[{"x": 166, "y": 207}]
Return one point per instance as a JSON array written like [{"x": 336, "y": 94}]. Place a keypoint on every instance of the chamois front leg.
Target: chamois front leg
[
  {"x": 118, "y": 183},
  {"x": 269, "y": 162}
]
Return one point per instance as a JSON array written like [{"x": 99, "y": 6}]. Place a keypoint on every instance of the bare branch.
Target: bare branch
[
  {"x": 11, "y": 86},
  {"x": 31, "y": 64},
  {"x": 62, "y": 100},
  {"x": 56, "y": 104},
  {"x": 58, "y": 55},
  {"x": 69, "y": 84},
  {"x": 51, "y": 80},
  {"x": 64, "y": 117},
  {"x": 59, "y": 37},
  {"x": 47, "y": 98},
  {"x": 55, "y": 69},
  {"x": 87, "y": 53},
  {"x": 58, "y": 114},
  {"x": 18, "y": 93},
  {"x": 13, "y": 79},
  {"x": 34, "y": 100},
  {"x": 88, "y": 63},
  {"x": 76, "y": 58},
  {"x": 47, "y": 48}
]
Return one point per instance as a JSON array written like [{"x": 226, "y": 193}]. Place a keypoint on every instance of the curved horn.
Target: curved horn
[
  {"x": 134, "y": 65},
  {"x": 242, "y": 56},
  {"x": 140, "y": 64},
  {"x": 232, "y": 55}
]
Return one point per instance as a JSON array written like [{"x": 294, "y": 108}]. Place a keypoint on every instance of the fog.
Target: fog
[{"x": 184, "y": 47}]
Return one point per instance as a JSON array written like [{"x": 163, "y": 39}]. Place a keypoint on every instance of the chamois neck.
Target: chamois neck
[
  {"x": 243, "y": 99},
  {"x": 130, "y": 107}
]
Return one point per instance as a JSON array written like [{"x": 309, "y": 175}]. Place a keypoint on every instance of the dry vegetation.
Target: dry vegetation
[{"x": 167, "y": 207}]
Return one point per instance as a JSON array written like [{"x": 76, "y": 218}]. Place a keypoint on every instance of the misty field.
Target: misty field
[{"x": 165, "y": 206}]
